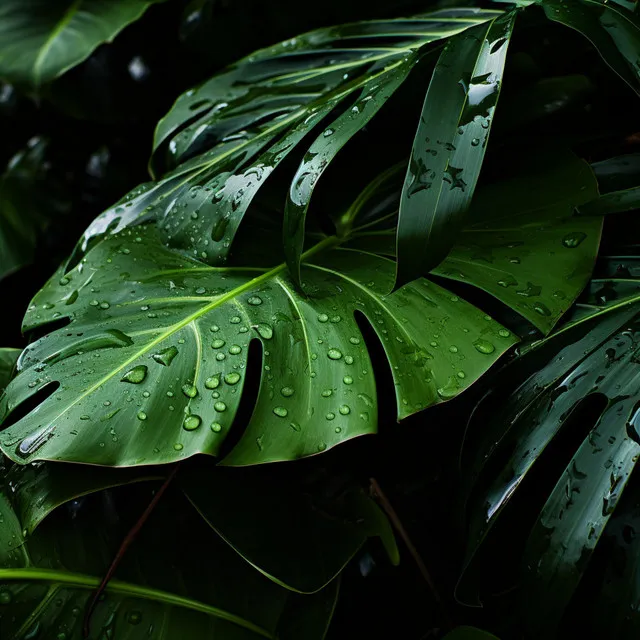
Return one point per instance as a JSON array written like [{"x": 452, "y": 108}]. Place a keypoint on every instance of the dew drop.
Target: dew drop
[
  {"x": 235, "y": 349},
  {"x": 218, "y": 343},
  {"x": 330, "y": 415},
  {"x": 574, "y": 239},
  {"x": 178, "y": 447},
  {"x": 264, "y": 331},
  {"x": 347, "y": 380},
  {"x": 135, "y": 375},
  {"x": 287, "y": 392},
  {"x": 216, "y": 427},
  {"x": 191, "y": 423},
  {"x": 166, "y": 356},
  {"x": 190, "y": 390},
  {"x": 484, "y": 346},
  {"x": 232, "y": 378},
  {"x": 212, "y": 382},
  {"x": 345, "y": 409},
  {"x": 254, "y": 301},
  {"x": 281, "y": 412},
  {"x": 334, "y": 354},
  {"x": 323, "y": 317},
  {"x": 220, "y": 406},
  {"x": 142, "y": 415}
]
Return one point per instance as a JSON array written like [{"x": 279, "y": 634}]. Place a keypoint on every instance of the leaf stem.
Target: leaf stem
[
  {"x": 379, "y": 495},
  {"x": 126, "y": 543}
]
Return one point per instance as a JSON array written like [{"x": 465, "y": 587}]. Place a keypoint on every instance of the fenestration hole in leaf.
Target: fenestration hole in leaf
[
  {"x": 250, "y": 390},
  {"x": 386, "y": 399},
  {"x": 30, "y": 403},
  {"x": 48, "y": 327}
]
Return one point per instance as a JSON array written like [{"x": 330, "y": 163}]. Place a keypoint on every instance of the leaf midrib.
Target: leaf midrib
[{"x": 46, "y": 47}]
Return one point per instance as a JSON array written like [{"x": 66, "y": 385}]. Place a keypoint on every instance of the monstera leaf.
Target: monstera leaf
[
  {"x": 587, "y": 371},
  {"x": 152, "y": 365},
  {"x": 41, "y": 39},
  {"x": 47, "y": 580},
  {"x": 221, "y": 141}
]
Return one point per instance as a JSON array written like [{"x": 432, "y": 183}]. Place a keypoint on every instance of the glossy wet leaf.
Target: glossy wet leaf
[
  {"x": 8, "y": 358},
  {"x": 39, "y": 489},
  {"x": 226, "y": 137},
  {"x": 41, "y": 39},
  {"x": 46, "y": 582},
  {"x": 522, "y": 242},
  {"x": 289, "y": 535},
  {"x": 449, "y": 146},
  {"x": 152, "y": 366},
  {"x": 613, "y": 30},
  {"x": 594, "y": 359}
]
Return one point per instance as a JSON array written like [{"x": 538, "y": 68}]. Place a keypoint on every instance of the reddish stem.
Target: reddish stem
[{"x": 126, "y": 543}]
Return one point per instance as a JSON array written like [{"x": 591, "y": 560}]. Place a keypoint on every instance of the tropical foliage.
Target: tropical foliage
[{"x": 426, "y": 219}]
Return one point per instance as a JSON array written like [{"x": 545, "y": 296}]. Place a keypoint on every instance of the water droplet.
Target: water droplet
[
  {"x": 347, "y": 380},
  {"x": 178, "y": 447},
  {"x": 191, "y": 423},
  {"x": 323, "y": 317},
  {"x": 462, "y": 374},
  {"x": 348, "y": 359},
  {"x": 453, "y": 348},
  {"x": 212, "y": 382},
  {"x": 216, "y": 427},
  {"x": 280, "y": 412},
  {"x": 330, "y": 415},
  {"x": 254, "y": 301},
  {"x": 166, "y": 356},
  {"x": 5, "y": 596},
  {"x": 354, "y": 340},
  {"x": 334, "y": 354},
  {"x": 504, "y": 333},
  {"x": 232, "y": 378},
  {"x": 135, "y": 375},
  {"x": 327, "y": 133},
  {"x": 574, "y": 239},
  {"x": 234, "y": 320},
  {"x": 235, "y": 349},
  {"x": 295, "y": 426},
  {"x": 134, "y": 617},
  {"x": 338, "y": 429},
  {"x": 475, "y": 142},
  {"x": 322, "y": 446},
  {"x": 344, "y": 409},
  {"x": 484, "y": 346},
  {"x": 287, "y": 391},
  {"x": 142, "y": 415},
  {"x": 326, "y": 393},
  {"x": 541, "y": 309},
  {"x": 189, "y": 389},
  {"x": 218, "y": 343},
  {"x": 214, "y": 328},
  {"x": 368, "y": 400},
  {"x": 264, "y": 331},
  {"x": 104, "y": 305},
  {"x": 220, "y": 406},
  {"x": 450, "y": 389}
]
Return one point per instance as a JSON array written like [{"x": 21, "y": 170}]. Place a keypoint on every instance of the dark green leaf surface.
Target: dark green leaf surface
[
  {"x": 41, "y": 39},
  {"x": 449, "y": 145},
  {"x": 524, "y": 245},
  {"x": 227, "y": 136},
  {"x": 595, "y": 358},
  {"x": 285, "y": 534},
  {"x": 613, "y": 31},
  {"x": 47, "y": 580},
  {"x": 619, "y": 182},
  {"x": 469, "y": 633},
  {"x": 161, "y": 342}
]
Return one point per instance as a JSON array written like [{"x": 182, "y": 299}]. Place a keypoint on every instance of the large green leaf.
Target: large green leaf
[
  {"x": 47, "y": 580},
  {"x": 612, "y": 29},
  {"x": 41, "y": 39},
  {"x": 161, "y": 341},
  {"x": 449, "y": 145},
  {"x": 594, "y": 358},
  {"x": 226, "y": 137}
]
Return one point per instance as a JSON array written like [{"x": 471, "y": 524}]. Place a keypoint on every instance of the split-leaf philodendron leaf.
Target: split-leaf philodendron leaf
[{"x": 152, "y": 365}]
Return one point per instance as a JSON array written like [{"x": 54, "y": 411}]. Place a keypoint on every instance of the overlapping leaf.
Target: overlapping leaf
[
  {"x": 595, "y": 357},
  {"x": 47, "y": 580},
  {"x": 226, "y": 137}
]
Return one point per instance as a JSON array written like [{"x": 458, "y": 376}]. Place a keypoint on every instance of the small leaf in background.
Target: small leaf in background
[
  {"x": 34, "y": 52},
  {"x": 450, "y": 145}
]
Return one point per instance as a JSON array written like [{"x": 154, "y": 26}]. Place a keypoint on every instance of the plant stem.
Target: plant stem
[
  {"x": 126, "y": 543},
  {"x": 379, "y": 495}
]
